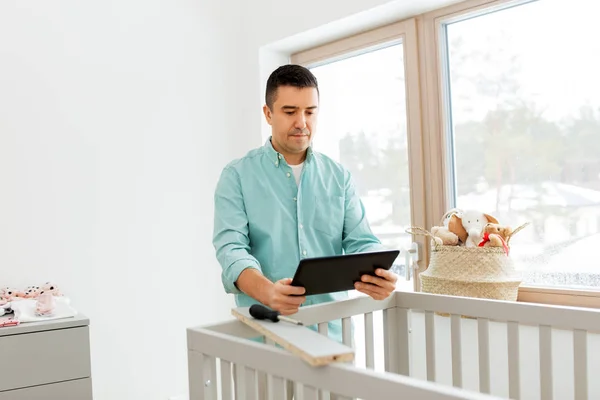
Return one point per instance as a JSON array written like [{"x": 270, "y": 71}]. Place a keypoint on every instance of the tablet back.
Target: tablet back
[{"x": 339, "y": 273}]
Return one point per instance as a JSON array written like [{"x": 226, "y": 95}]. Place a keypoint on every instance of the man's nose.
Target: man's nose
[{"x": 300, "y": 122}]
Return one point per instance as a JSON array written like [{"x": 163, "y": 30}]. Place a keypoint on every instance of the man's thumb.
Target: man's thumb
[{"x": 286, "y": 281}]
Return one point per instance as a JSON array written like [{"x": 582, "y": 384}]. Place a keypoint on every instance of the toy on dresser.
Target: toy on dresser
[{"x": 43, "y": 295}]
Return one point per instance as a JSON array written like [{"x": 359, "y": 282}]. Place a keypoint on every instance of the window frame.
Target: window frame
[
  {"x": 428, "y": 115},
  {"x": 406, "y": 32}
]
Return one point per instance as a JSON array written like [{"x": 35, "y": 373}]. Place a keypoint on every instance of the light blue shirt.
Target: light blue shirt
[{"x": 264, "y": 220}]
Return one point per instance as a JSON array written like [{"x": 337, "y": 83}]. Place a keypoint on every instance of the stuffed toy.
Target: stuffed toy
[
  {"x": 12, "y": 294},
  {"x": 473, "y": 222},
  {"x": 51, "y": 288},
  {"x": 451, "y": 233},
  {"x": 32, "y": 292},
  {"x": 495, "y": 235}
]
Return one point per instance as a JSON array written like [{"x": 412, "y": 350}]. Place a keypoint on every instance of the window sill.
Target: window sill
[{"x": 559, "y": 296}]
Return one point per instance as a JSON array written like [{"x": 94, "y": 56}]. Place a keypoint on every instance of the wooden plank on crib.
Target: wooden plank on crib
[
  {"x": 580, "y": 364},
  {"x": 483, "y": 339},
  {"x": 546, "y": 362},
  {"x": 369, "y": 341},
  {"x": 514, "y": 372},
  {"x": 430, "y": 344},
  {"x": 311, "y": 346},
  {"x": 456, "y": 343}
]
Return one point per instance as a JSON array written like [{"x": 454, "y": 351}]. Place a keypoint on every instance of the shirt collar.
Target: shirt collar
[{"x": 276, "y": 157}]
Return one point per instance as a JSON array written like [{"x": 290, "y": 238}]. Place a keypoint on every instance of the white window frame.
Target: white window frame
[{"x": 427, "y": 94}]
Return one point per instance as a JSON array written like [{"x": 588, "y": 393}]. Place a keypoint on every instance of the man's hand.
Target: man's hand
[
  {"x": 378, "y": 287},
  {"x": 281, "y": 297}
]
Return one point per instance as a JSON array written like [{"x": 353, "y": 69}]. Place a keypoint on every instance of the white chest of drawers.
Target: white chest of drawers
[{"x": 47, "y": 360}]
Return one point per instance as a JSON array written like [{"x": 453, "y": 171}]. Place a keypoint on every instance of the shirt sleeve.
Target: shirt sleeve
[
  {"x": 230, "y": 230},
  {"x": 357, "y": 234}
]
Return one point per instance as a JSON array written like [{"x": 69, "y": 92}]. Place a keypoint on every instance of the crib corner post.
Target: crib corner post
[{"x": 195, "y": 375}]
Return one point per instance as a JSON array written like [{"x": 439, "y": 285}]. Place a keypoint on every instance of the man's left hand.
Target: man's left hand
[{"x": 379, "y": 287}]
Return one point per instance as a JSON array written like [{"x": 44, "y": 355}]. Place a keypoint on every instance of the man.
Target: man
[{"x": 283, "y": 202}]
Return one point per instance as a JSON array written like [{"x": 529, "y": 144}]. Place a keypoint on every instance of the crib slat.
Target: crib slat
[
  {"x": 390, "y": 340},
  {"x": 347, "y": 331},
  {"x": 456, "y": 343},
  {"x": 251, "y": 384},
  {"x": 239, "y": 384},
  {"x": 310, "y": 393},
  {"x": 580, "y": 364},
  {"x": 546, "y": 362},
  {"x": 369, "y": 341},
  {"x": 403, "y": 332},
  {"x": 430, "y": 344},
  {"x": 483, "y": 339},
  {"x": 514, "y": 373},
  {"x": 323, "y": 328},
  {"x": 226, "y": 380},
  {"x": 276, "y": 388}
]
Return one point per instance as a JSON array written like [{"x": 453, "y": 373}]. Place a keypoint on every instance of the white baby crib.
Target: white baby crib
[{"x": 410, "y": 346}]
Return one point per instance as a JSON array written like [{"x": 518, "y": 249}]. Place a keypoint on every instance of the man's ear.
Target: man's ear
[{"x": 268, "y": 114}]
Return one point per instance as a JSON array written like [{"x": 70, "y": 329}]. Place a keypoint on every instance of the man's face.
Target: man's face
[{"x": 293, "y": 119}]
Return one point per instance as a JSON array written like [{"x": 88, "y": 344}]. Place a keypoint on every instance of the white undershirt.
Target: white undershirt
[{"x": 297, "y": 170}]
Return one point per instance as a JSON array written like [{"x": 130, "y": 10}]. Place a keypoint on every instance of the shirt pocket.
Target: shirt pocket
[{"x": 329, "y": 215}]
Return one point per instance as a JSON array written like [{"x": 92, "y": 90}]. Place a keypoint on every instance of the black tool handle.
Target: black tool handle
[{"x": 261, "y": 312}]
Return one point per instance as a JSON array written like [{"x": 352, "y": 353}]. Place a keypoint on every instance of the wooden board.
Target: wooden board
[{"x": 311, "y": 346}]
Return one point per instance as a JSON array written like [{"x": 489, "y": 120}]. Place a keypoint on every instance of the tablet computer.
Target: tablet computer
[{"x": 338, "y": 273}]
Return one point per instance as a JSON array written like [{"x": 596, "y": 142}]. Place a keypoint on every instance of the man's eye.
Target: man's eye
[{"x": 289, "y": 112}]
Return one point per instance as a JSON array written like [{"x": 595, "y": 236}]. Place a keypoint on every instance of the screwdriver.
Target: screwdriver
[{"x": 261, "y": 312}]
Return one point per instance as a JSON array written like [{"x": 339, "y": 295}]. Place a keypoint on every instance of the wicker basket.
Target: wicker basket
[{"x": 482, "y": 272}]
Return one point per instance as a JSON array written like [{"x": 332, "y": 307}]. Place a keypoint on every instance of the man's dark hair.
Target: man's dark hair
[{"x": 289, "y": 75}]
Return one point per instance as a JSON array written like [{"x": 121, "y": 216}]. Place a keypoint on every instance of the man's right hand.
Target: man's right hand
[{"x": 285, "y": 298}]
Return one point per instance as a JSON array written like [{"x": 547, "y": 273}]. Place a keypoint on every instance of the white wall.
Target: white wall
[{"x": 107, "y": 111}]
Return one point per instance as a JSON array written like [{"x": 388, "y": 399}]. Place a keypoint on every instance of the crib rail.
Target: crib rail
[
  {"x": 222, "y": 366},
  {"x": 404, "y": 323},
  {"x": 514, "y": 315}
]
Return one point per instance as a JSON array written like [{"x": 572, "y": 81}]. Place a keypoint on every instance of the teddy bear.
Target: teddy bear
[
  {"x": 472, "y": 223},
  {"x": 451, "y": 233},
  {"x": 496, "y": 235}
]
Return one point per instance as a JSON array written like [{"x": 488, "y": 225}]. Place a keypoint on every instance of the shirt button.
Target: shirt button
[
  {"x": 301, "y": 226},
  {"x": 294, "y": 199},
  {"x": 276, "y": 162},
  {"x": 288, "y": 174},
  {"x": 304, "y": 252}
]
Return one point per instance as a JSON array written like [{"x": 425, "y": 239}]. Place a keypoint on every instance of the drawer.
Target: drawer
[
  {"x": 80, "y": 389},
  {"x": 38, "y": 358}
]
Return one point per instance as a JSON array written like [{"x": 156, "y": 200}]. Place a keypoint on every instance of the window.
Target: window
[
  {"x": 363, "y": 123},
  {"x": 525, "y": 112},
  {"x": 495, "y": 113}
]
